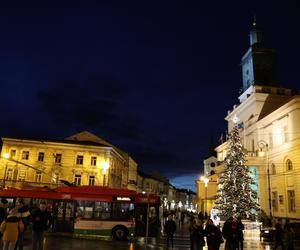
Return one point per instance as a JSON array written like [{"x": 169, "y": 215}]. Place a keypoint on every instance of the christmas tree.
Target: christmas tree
[{"x": 235, "y": 196}]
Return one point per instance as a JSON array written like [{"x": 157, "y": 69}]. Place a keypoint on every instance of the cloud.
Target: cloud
[{"x": 94, "y": 104}]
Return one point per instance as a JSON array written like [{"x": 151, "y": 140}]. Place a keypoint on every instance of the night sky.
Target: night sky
[{"x": 155, "y": 78}]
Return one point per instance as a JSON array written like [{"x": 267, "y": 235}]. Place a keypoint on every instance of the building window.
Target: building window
[
  {"x": 285, "y": 134},
  {"x": 79, "y": 160},
  {"x": 275, "y": 200},
  {"x": 291, "y": 201},
  {"x": 22, "y": 175},
  {"x": 280, "y": 199},
  {"x": 270, "y": 140},
  {"x": 289, "y": 165},
  {"x": 9, "y": 174},
  {"x": 93, "y": 161},
  {"x": 58, "y": 158},
  {"x": 91, "y": 180},
  {"x": 41, "y": 156},
  {"x": 38, "y": 176},
  {"x": 13, "y": 153},
  {"x": 273, "y": 168},
  {"x": 25, "y": 155},
  {"x": 77, "y": 179}
]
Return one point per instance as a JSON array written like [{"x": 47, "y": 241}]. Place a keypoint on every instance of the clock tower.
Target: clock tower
[{"x": 258, "y": 63}]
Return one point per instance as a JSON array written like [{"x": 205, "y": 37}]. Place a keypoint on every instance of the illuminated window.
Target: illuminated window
[
  {"x": 41, "y": 156},
  {"x": 22, "y": 175},
  {"x": 77, "y": 179},
  {"x": 93, "y": 160},
  {"x": 291, "y": 201},
  {"x": 25, "y": 155},
  {"x": 13, "y": 153},
  {"x": 275, "y": 200},
  {"x": 9, "y": 174},
  {"x": 79, "y": 160},
  {"x": 289, "y": 164},
  {"x": 58, "y": 158},
  {"x": 91, "y": 180},
  {"x": 38, "y": 176}
]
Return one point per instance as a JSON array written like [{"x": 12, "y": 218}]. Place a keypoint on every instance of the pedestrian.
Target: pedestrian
[
  {"x": 3, "y": 210},
  {"x": 228, "y": 234},
  {"x": 289, "y": 237},
  {"x": 278, "y": 235},
  {"x": 213, "y": 235},
  {"x": 197, "y": 235},
  {"x": 25, "y": 217},
  {"x": 182, "y": 217},
  {"x": 41, "y": 222},
  {"x": 170, "y": 228},
  {"x": 240, "y": 235},
  {"x": 10, "y": 228}
]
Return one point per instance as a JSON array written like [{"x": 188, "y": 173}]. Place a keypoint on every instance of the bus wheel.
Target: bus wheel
[{"x": 120, "y": 233}]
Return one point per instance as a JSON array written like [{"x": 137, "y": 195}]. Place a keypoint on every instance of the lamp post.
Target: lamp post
[
  {"x": 147, "y": 218},
  {"x": 105, "y": 167},
  {"x": 205, "y": 180},
  {"x": 262, "y": 144}
]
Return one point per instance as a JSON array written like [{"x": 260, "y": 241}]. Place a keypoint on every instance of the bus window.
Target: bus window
[
  {"x": 122, "y": 211},
  {"x": 102, "y": 210},
  {"x": 85, "y": 209}
]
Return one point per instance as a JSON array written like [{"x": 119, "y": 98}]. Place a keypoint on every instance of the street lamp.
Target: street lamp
[
  {"x": 262, "y": 144},
  {"x": 105, "y": 167},
  {"x": 205, "y": 180}
]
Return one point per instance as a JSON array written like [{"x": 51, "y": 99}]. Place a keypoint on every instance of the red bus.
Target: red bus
[{"x": 92, "y": 210}]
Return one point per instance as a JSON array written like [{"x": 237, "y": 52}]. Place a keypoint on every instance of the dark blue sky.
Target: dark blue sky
[{"x": 155, "y": 78}]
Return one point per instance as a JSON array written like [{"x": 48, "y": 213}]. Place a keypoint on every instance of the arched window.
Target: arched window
[
  {"x": 289, "y": 164},
  {"x": 273, "y": 168}
]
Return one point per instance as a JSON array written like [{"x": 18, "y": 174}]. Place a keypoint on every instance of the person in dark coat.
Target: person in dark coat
[
  {"x": 278, "y": 235},
  {"x": 228, "y": 234},
  {"x": 197, "y": 235},
  {"x": 170, "y": 228},
  {"x": 240, "y": 229},
  {"x": 25, "y": 217},
  {"x": 3, "y": 209},
  {"x": 41, "y": 222},
  {"x": 213, "y": 236}
]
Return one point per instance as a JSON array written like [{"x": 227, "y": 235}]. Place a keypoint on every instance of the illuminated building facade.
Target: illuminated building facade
[
  {"x": 82, "y": 159},
  {"x": 268, "y": 118}
]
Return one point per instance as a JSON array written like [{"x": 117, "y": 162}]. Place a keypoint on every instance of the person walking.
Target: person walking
[
  {"x": 278, "y": 235},
  {"x": 3, "y": 210},
  {"x": 41, "y": 222},
  {"x": 25, "y": 217},
  {"x": 240, "y": 234},
  {"x": 197, "y": 235},
  {"x": 213, "y": 236},
  {"x": 170, "y": 228},
  {"x": 10, "y": 228},
  {"x": 228, "y": 234},
  {"x": 289, "y": 237}
]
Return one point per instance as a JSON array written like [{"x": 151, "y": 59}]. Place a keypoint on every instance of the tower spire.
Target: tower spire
[{"x": 254, "y": 22}]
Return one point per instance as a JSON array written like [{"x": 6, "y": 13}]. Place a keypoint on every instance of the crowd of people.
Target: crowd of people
[
  {"x": 232, "y": 232},
  {"x": 15, "y": 221}
]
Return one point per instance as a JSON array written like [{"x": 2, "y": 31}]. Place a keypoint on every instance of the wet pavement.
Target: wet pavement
[{"x": 181, "y": 242}]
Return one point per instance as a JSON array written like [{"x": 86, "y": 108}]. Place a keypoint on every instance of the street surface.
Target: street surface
[{"x": 181, "y": 242}]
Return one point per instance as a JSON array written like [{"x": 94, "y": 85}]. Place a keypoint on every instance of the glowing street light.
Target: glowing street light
[
  {"x": 105, "y": 166},
  {"x": 205, "y": 180}
]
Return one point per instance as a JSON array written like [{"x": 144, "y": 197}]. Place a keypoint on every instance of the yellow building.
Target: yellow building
[
  {"x": 268, "y": 118},
  {"x": 82, "y": 159}
]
